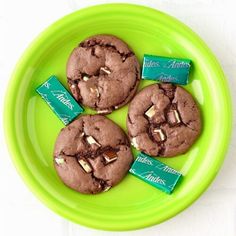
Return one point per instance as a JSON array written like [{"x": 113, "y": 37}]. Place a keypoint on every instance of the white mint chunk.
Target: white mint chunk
[
  {"x": 150, "y": 112},
  {"x": 59, "y": 160},
  {"x": 134, "y": 143},
  {"x": 106, "y": 70},
  {"x": 95, "y": 90},
  {"x": 176, "y": 114},
  {"x": 106, "y": 188},
  {"x": 85, "y": 78},
  {"x": 91, "y": 140},
  {"x": 102, "y": 111},
  {"x": 85, "y": 165},
  {"x": 160, "y": 133}
]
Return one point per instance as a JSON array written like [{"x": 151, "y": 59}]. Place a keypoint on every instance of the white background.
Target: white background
[{"x": 214, "y": 214}]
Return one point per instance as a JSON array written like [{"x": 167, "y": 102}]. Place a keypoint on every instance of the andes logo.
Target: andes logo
[
  {"x": 62, "y": 97},
  {"x": 152, "y": 177},
  {"x": 177, "y": 64}
]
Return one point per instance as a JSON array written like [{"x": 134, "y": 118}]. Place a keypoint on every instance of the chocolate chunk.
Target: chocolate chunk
[{"x": 110, "y": 156}]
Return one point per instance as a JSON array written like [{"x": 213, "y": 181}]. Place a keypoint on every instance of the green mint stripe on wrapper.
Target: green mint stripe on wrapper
[
  {"x": 155, "y": 173},
  {"x": 59, "y": 100},
  {"x": 165, "y": 69}
]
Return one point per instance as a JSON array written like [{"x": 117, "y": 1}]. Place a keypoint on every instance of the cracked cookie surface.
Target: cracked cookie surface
[
  {"x": 92, "y": 154},
  {"x": 163, "y": 120},
  {"x": 103, "y": 73}
]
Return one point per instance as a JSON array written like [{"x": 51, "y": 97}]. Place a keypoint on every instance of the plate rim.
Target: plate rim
[{"x": 9, "y": 130}]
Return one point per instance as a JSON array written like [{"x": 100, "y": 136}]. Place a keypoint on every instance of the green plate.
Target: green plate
[{"x": 31, "y": 127}]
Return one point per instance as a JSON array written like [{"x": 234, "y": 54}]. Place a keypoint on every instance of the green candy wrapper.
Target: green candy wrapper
[
  {"x": 155, "y": 173},
  {"x": 59, "y": 99},
  {"x": 165, "y": 69}
]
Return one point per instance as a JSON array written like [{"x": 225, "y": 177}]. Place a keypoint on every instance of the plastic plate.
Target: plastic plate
[{"x": 31, "y": 127}]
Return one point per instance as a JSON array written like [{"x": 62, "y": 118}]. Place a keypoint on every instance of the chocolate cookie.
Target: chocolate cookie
[
  {"x": 103, "y": 73},
  {"x": 163, "y": 120},
  {"x": 92, "y": 154}
]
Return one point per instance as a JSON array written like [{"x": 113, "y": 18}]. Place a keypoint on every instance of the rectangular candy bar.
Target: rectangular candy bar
[
  {"x": 59, "y": 99},
  {"x": 155, "y": 173},
  {"x": 164, "y": 69}
]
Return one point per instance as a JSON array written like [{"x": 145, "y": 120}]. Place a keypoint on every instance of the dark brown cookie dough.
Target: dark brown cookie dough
[
  {"x": 163, "y": 120},
  {"x": 92, "y": 154},
  {"x": 103, "y": 73}
]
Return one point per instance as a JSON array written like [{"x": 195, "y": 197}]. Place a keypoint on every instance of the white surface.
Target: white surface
[{"x": 214, "y": 214}]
